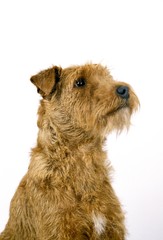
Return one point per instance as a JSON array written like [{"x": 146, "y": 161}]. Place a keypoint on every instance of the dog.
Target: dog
[{"x": 66, "y": 193}]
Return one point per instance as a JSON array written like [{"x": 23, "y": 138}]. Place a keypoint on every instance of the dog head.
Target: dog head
[{"x": 85, "y": 99}]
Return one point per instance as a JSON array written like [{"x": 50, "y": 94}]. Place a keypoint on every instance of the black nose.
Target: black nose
[{"x": 123, "y": 92}]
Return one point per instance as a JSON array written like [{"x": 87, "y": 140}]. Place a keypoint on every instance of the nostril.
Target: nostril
[{"x": 123, "y": 92}]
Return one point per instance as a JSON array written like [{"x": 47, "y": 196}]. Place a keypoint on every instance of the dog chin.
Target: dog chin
[
  {"x": 119, "y": 120},
  {"x": 125, "y": 115}
]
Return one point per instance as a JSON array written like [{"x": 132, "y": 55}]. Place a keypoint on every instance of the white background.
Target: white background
[{"x": 127, "y": 36}]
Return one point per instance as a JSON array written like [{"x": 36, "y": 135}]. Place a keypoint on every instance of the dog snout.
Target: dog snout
[{"x": 123, "y": 92}]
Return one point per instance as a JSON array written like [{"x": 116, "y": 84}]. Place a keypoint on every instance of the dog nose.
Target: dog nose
[{"x": 123, "y": 92}]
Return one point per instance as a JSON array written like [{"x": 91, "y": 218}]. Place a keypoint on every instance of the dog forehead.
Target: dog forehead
[{"x": 86, "y": 71}]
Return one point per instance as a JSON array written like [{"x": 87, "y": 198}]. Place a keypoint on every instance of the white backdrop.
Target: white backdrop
[{"x": 127, "y": 36}]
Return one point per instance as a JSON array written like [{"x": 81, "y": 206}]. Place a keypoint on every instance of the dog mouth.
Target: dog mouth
[{"x": 117, "y": 109}]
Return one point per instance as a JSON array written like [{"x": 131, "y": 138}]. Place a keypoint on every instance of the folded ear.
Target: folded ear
[{"x": 46, "y": 80}]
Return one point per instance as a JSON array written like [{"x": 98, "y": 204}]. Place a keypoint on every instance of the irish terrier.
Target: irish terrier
[{"x": 67, "y": 193}]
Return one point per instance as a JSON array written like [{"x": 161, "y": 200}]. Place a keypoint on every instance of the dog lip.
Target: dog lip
[{"x": 125, "y": 105}]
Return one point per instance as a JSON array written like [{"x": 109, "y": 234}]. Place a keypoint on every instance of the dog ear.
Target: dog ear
[{"x": 46, "y": 80}]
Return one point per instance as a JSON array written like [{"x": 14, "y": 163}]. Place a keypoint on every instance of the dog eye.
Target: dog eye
[{"x": 80, "y": 82}]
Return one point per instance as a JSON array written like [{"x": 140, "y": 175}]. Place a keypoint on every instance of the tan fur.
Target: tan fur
[{"x": 67, "y": 193}]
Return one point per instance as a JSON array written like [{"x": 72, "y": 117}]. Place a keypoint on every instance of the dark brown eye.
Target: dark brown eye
[{"x": 80, "y": 82}]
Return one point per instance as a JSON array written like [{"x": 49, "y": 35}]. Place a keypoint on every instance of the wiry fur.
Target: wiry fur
[{"x": 67, "y": 193}]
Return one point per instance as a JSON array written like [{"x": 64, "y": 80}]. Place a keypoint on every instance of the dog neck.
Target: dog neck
[
  {"x": 52, "y": 136},
  {"x": 50, "y": 140}
]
